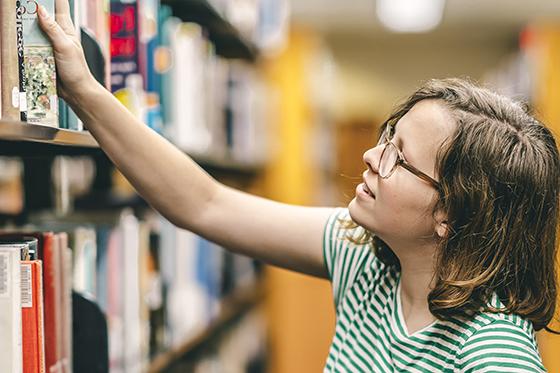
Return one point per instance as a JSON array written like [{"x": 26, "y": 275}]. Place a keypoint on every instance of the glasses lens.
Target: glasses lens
[
  {"x": 382, "y": 138},
  {"x": 388, "y": 160}
]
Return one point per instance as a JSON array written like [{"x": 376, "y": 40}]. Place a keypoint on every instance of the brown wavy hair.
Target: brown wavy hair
[{"x": 500, "y": 181}]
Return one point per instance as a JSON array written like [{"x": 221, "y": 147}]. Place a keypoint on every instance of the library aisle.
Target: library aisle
[{"x": 276, "y": 98}]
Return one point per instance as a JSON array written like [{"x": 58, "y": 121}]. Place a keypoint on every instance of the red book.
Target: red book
[
  {"x": 49, "y": 253},
  {"x": 32, "y": 317},
  {"x": 66, "y": 303},
  {"x": 52, "y": 286}
]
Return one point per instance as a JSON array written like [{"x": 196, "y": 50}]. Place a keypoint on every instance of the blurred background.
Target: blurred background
[
  {"x": 279, "y": 98},
  {"x": 342, "y": 69}
]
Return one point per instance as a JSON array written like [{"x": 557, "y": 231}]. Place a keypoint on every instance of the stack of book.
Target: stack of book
[
  {"x": 164, "y": 70},
  {"x": 155, "y": 285},
  {"x": 35, "y": 308}
]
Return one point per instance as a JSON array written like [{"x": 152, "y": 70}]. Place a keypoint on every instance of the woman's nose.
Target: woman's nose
[{"x": 371, "y": 158}]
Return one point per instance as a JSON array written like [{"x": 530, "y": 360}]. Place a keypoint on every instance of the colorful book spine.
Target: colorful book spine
[
  {"x": 124, "y": 42},
  {"x": 10, "y": 309},
  {"x": 37, "y": 70},
  {"x": 32, "y": 316}
]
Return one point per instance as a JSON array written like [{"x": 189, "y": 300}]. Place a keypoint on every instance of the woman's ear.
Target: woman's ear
[
  {"x": 441, "y": 224},
  {"x": 442, "y": 229}
]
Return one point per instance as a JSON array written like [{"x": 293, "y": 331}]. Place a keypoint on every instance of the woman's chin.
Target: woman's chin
[{"x": 358, "y": 215}]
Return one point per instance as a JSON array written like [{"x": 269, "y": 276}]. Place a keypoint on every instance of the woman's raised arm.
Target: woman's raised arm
[{"x": 279, "y": 234}]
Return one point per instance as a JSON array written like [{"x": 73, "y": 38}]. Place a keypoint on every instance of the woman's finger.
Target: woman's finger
[
  {"x": 52, "y": 29},
  {"x": 63, "y": 16}
]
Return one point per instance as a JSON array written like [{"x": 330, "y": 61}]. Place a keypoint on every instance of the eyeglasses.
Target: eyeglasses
[{"x": 392, "y": 157}]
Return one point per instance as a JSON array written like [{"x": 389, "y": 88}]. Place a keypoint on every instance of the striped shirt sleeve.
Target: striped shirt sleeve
[
  {"x": 501, "y": 346},
  {"x": 343, "y": 259}
]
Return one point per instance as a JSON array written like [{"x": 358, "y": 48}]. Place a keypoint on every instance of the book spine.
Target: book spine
[
  {"x": 124, "y": 42},
  {"x": 10, "y": 310},
  {"x": 32, "y": 317},
  {"x": 20, "y": 9}
]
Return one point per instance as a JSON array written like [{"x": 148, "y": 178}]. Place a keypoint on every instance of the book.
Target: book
[
  {"x": 130, "y": 311},
  {"x": 90, "y": 340},
  {"x": 9, "y": 62},
  {"x": 10, "y": 309},
  {"x": 32, "y": 316},
  {"x": 124, "y": 42},
  {"x": 37, "y": 70},
  {"x": 84, "y": 261},
  {"x": 94, "y": 18},
  {"x": 52, "y": 286},
  {"x": 65, "y": 302},
  {"x": 48, "y": 253}
]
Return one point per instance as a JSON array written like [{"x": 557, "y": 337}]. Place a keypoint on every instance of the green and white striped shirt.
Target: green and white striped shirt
[{"x": 371, "y": 336}]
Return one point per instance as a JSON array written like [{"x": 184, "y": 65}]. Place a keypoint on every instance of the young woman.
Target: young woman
[{"x": 444, "y": 260}]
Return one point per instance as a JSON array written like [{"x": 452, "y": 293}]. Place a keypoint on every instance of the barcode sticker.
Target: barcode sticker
[
  {"x": 26, "y": 289},
  {"x": 15, "y": 97},
  {"x": 4, "y": 275}
]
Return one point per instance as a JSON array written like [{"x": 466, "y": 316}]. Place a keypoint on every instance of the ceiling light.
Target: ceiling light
[{"x": 410, "y": 15}]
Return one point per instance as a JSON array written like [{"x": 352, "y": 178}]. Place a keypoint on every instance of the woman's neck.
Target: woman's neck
[{"x": 416, "y": 283}]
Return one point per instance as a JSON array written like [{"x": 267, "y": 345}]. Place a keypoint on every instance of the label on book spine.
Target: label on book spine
[
  {"x": 26, "y": 288},
  {"x": 15, "y": 97}
]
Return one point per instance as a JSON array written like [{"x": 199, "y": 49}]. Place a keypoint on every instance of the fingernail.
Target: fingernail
[{"x": 43, "y": 12}]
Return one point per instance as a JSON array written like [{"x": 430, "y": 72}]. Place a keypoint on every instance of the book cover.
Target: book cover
[
  {"x": 37, "y": 72},
  {"x": 9, "y": 62},
  {"x": 10, "y": 309},
  {"x": 124, "y": 42},
  {"x": 32, "y": 316}
]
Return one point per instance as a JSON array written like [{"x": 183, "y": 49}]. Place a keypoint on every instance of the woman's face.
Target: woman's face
[{"x": 399, "y": 209}]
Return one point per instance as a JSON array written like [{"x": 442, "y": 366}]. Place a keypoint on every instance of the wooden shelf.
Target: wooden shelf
[
  {"x": 232, "y": 307},
  {"x": 24, "y": 139},
  {"x": 227, "y": 40}
]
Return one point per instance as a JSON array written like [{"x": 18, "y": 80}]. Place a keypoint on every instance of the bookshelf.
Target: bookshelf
[
  {"x": 24, "y": 139},
  {"x": 38, "y": 146},
  {"x": 232, "y": 307},
  {"x": 228, "y": 41}
]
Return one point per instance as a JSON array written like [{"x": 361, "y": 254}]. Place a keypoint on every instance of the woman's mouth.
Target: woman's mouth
[{"x": 364, "y": 191}]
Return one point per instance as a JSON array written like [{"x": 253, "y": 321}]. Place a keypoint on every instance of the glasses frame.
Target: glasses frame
[{"x": 401, "y": 161}]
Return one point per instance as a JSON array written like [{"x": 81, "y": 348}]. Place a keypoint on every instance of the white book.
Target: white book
[
  {"x": 187, "y": 300},
  {"x": 10, "y": 309},
  {"x": 85, "y": 256},
  {"x": 132, "y": 344},
  {"x": 188, "y": 127}
]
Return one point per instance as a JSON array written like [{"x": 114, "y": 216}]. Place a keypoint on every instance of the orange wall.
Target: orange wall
[
  {"x": 547, "y": 102},
  {"x": 300, "y": 309}
]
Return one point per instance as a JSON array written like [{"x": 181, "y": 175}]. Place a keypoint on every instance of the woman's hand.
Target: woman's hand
[{"x": 73, "y": 73}]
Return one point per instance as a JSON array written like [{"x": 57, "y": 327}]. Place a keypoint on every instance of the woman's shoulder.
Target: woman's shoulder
[{"x": 500, "y": 342}]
